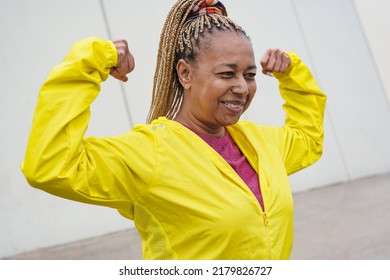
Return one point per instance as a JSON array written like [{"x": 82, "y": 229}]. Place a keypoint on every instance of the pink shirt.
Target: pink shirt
[{"x": 226, "y": 147}]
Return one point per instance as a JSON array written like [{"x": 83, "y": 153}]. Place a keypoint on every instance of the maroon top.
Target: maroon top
[{"x": 226, "y": 147}]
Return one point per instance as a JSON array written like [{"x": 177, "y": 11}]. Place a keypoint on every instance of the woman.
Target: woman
[{"x": 198, "y": 182}]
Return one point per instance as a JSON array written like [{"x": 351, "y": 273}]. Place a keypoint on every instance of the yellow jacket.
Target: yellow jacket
[{"x": 185, "y": 199}]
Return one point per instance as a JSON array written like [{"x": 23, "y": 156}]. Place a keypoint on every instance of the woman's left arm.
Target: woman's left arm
[{"x": 301, "y": 137}]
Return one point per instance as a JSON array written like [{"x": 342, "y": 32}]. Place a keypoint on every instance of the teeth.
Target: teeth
[{"x": 234, "y": 106}]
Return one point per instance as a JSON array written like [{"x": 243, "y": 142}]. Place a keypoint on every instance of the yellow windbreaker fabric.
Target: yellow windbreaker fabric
[{"x": 185, "y": 199}]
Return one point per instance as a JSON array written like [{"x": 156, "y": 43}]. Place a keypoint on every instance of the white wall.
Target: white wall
[
  {"x": 374, "y": 19},
  {"x": 344, "y": 42}
]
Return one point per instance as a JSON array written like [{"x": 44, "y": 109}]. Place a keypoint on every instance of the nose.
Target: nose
[{"x": 241, "y": 87}]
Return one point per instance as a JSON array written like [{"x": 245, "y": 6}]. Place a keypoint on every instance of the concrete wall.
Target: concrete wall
[{"x": 344, "y": 42}]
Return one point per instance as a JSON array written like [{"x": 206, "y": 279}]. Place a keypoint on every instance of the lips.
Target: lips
[{"x": 235, "y": 106}]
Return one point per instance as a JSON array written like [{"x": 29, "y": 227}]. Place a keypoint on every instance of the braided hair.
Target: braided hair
[{"x": 185, "y": 28}]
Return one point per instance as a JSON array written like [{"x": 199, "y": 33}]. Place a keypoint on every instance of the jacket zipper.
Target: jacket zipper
[{"x": 266, "y": 221}]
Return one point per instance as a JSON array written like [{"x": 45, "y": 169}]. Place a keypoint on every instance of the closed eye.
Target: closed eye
[{"x": 228, "y": 74}]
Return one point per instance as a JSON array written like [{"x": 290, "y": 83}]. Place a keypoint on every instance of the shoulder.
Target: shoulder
[{"x": 148, "y": 134}]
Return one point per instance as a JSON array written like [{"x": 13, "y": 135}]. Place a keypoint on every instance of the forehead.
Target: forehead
[{"x": 225, "y": 46}]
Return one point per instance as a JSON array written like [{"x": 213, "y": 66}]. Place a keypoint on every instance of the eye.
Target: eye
[
  {"x": 228, "y": 74},
  {"x": 250, "y": 75}
]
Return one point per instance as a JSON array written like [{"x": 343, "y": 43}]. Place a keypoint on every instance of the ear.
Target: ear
[{"x": 184, "y": 73}]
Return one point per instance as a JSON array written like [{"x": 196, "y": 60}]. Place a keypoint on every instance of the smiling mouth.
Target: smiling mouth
[{"x": 236, "y": 107}]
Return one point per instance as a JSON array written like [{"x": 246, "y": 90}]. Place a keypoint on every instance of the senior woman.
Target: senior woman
[{"x": 198, "y": 182}]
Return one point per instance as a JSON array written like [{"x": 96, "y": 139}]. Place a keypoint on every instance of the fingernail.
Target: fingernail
[{"x": 269, "y": 73}]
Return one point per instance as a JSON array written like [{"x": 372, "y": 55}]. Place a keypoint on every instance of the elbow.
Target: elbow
[
  {"x": 36, "y": 175},
  {"x": 33, "y": 177}
]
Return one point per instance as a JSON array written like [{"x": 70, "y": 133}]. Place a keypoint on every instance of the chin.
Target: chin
[{"x": 231, "y": 120}]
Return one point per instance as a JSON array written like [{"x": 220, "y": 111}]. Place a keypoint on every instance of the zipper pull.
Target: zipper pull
[{"x": 266, "y": 221}]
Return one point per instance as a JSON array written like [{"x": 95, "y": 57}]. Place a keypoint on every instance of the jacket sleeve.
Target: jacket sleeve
[
  {"x": 300, "y": 140},
  {"x": 58, "y": 159}
]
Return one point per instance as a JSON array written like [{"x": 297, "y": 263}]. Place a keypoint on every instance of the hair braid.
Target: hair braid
[{"x": 178, "y": 36}]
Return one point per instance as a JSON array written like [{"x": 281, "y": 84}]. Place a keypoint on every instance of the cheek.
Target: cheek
[
  {"x": 253, "y": 87},
  {"x": 252, "y": 91}
]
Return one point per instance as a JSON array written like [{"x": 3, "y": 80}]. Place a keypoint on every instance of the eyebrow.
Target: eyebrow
[{"x": 235, "y": 66}]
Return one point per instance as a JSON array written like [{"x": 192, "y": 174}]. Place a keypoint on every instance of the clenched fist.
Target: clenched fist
[
  {"x": 274, "y": 60},
  {"x": 125, "y": 63}
]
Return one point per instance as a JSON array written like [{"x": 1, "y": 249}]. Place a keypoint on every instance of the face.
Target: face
[{"x": 221, "y": 85}]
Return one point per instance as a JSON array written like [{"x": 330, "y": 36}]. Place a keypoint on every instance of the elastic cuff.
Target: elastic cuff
[{"x": 113, "y": 60}]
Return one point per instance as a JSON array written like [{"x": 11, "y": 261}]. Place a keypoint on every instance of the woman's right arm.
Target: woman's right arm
[{"x": 58, "y": 159}]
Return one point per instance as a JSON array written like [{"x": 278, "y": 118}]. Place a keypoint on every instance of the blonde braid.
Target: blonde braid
[{"x": 176, "y": 41}]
